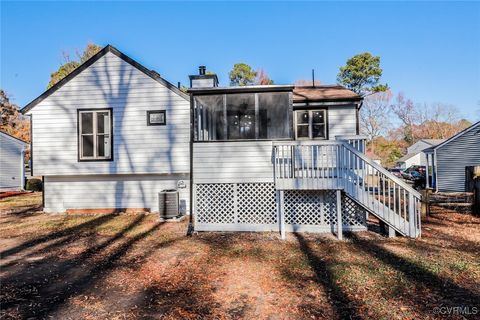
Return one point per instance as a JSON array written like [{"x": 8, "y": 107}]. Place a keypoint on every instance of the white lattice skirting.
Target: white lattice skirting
[{"x": 253, "y": 207}]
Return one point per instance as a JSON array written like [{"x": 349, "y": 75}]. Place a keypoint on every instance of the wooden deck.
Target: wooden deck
[{"x": 297, "y": 185}]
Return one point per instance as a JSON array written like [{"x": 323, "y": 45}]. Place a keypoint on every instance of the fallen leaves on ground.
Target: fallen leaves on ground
[{"x": 129, "y": 266}]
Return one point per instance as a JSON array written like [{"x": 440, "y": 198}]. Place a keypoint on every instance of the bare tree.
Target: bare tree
[
  {"x": 375, "y": 115},
  {"x": 263, "y": 78},
  {"x": 439, "y": 121},
  {"x": 434, "y": 121},
  {"x": 406, "y": 111}
]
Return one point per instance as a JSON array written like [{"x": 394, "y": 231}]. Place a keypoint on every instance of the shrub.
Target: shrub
[{"x": 34, "y": 185}]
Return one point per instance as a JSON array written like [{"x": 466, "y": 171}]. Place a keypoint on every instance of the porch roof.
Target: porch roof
[
  {"x": 324, "y": 93},
  {"x": 242, "y": 89}
]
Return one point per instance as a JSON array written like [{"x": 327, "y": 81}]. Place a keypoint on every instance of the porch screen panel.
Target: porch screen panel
[
  {"x": 274, "y": 115},
  {"x": 210, "y": 118},
  {"x": 241, "y": 119}
]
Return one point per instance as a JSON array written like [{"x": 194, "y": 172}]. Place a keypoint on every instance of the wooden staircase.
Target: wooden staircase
[{"x": 327, "y": 165}]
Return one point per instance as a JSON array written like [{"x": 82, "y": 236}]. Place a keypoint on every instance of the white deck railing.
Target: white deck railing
[
  {"x": 356, "y": 141},
  {"x": 338, "y": 165}
]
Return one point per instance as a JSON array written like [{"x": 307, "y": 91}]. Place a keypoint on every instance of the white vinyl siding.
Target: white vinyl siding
[
  {"x": 342, "y": 120},
  {"x": 202, "y": 83},
  {"x": 111, "y": 191},
  {"x": 137, "y": 148},
  {"x": 11, "y": 162},
  {"x": 232, "y": 162},
  {"x": 417, "y": 160}
]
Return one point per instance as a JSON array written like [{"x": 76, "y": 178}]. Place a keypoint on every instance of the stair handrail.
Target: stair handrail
[
  {"x": 346, "y": 151},
  {"x": 382, "y": 170}
]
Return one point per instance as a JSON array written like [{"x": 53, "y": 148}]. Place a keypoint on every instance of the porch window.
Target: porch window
[
  {"x": 242, "y": 116},
  {"x": 310, "y": 124},
  {"x": 95, "y": 134}
]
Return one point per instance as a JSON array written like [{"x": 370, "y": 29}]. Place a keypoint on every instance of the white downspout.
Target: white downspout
[
  {"x": 22, "y": 169},
  {"x": 435, "y": 170},
  {"x": 427, "y": 173}
]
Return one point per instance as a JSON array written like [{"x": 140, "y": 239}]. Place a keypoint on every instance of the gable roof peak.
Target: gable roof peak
[
  {"x": 108, "y": 48},
  {"x": 459, "y": 134}
]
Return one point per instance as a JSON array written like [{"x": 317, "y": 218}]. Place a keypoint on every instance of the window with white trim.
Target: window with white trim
[
  {"x": 95, "y": 134},
  {"x": 310, "y": 124}
]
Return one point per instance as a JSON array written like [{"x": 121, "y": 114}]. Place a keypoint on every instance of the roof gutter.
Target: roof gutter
[{"x": 243, "y": 89}]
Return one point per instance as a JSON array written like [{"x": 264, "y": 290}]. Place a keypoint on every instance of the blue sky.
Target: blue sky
[{"x": 429, "y": 50}]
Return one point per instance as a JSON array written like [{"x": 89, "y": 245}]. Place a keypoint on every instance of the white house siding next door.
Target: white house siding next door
[
  {"x": 111, "y": 191},
  {"x": 11, "y": 162}
]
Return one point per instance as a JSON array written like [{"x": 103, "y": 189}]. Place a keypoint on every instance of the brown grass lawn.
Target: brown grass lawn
[{"x": 131, "y": 266}]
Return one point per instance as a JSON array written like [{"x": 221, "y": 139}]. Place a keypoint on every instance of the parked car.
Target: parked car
[
  {"x": 397, "y": 172},
  {"x": 415, "y": 175},
  {"x": 406, "y": 175},
  {"x": 419, "y": 180},
  {"x": 421, "y": 169}
]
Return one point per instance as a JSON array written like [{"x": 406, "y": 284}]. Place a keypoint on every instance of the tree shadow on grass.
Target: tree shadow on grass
[
  {"x": 422, "y": 279},
  {"x": 24, "y": 211},
  {"x": 68, "y": 232},
  {"x": 41, "y": 288},
  {"x": 342, "y": 305}
]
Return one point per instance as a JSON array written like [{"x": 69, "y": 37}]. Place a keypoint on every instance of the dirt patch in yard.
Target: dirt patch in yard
[{"x": 126, "y": 266}]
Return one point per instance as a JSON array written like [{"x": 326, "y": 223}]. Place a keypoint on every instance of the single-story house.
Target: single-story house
[
  {"x": 12, "y": 162},
  {"x": 448, "y": 161},
  {"x": 115, "y": 135},
  {"x": 415, "y": 155}
]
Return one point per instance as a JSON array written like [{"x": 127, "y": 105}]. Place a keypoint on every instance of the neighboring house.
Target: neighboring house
[
  {"x": 12, "y": 162},
  {"x": 113, "y": 134},
  {"x": 449, "y": 160},
  {"x": 415, "y": 155}
]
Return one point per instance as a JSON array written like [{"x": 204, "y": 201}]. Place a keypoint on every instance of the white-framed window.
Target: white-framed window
[
  {"x": 311, "y": 124},
  {"x": 95, "y": 135}
]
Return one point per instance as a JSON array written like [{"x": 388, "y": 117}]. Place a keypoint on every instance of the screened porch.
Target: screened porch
[{"x": 243, "y": 116}]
